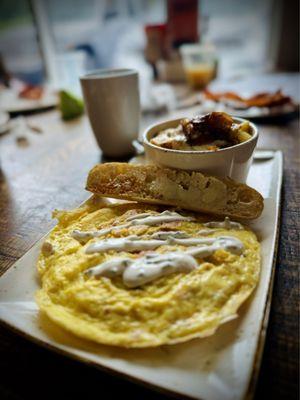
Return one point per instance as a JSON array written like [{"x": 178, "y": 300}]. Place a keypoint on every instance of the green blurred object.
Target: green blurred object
[{"x": 70, "y": 105}]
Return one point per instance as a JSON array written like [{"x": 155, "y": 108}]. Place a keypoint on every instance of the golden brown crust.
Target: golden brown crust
[{"x": 185, "y": 189}]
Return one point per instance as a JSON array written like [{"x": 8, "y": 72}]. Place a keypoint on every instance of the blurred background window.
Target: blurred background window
[
  {"x": 101, "y": 28},
  {"x": 104, "y": 29},
  {"x": 76, "y": 35},
  {"x": 241, "y": 31},
  {"x": 18, "y": 43}
]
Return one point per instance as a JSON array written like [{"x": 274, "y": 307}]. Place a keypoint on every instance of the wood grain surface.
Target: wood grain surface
[{"x": 41, "y": 171}]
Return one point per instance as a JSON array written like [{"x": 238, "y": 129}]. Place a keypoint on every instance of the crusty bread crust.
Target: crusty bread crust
[{"x": 185, "y": 189}]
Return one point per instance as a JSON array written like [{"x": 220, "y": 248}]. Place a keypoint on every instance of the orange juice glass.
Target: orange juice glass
[{"x": 200, "y": 64}]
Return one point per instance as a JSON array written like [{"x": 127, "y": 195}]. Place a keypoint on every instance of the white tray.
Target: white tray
[{"x": 223, "y": 366}]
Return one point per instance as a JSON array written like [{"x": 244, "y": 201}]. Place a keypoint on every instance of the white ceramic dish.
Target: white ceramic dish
[
  {"x": 112, "y": 102},
  {"x": 223, "y": 366},
  {"x": 232, "y": 161},
  {"x": 11, "y": 103}
]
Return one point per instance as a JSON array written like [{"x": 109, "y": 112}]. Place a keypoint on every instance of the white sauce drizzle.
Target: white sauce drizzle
[
  {"x": 128, "y": 243},
  {"x": 152, "y": 266},
  {"x": 138, "y": 219},
  {"x": 144, "y": 269},
  {"x": 137, "y": 272},
  {"x": 204, "y": 232},
  {"x": 79, "y": 235},
  {"x": 226, "y": 224},
  {"x": 155, "y": 219},
  {"x": 147, "y": 269},
  {"x": 190, "y": 241},
  {"x": 134, "y": 243},
  {"x": 228, "y": 243},
  {"x": 162, "y": 235},
  {"x": 180, "y": 234},
  {"x": 110, "y": 268},
  {"x": 138, "y": 216}
]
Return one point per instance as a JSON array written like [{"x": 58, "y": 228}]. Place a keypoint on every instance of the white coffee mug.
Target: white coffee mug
[{"x": 112, "y": 102}]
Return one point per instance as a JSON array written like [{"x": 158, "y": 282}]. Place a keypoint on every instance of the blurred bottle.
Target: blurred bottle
[
  {"x": 182, "y": 24},
  {"x": 164, "y": 40},
  {"x": 155, "y": 45}
]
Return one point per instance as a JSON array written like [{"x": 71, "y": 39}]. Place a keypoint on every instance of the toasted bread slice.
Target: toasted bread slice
[{"x": 185, "y": 189}]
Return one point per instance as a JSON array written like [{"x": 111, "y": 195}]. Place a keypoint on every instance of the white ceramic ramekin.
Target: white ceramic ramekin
[{"x": 233, "y": 161}]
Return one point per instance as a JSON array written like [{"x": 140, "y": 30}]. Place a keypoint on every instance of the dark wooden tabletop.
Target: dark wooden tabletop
[{"x": 41, "y": 171}]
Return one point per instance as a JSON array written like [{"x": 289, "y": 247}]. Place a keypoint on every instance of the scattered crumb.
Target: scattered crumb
[
  {"x": 34, "y": 128},
  {"x": 22, "y": 141},
  {"x": 47, "y": 249}
]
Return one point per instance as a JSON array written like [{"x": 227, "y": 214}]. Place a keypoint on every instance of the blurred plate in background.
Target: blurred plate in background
[
  {"x": 11, "y": 103},
  {"x": 4, "y": 121}
]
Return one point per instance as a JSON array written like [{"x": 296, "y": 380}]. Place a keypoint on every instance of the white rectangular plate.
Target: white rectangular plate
[{"x": 223, "y": 366}]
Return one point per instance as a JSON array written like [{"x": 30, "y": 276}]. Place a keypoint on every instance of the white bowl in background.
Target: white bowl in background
[{"x": 233, "y": 161}]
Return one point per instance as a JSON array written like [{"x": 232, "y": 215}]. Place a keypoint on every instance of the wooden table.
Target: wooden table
[{"x": 49, "y": 172}]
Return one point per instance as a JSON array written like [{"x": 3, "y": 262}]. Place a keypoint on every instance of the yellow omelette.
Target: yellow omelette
[{"x": 167, "y": 278}]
